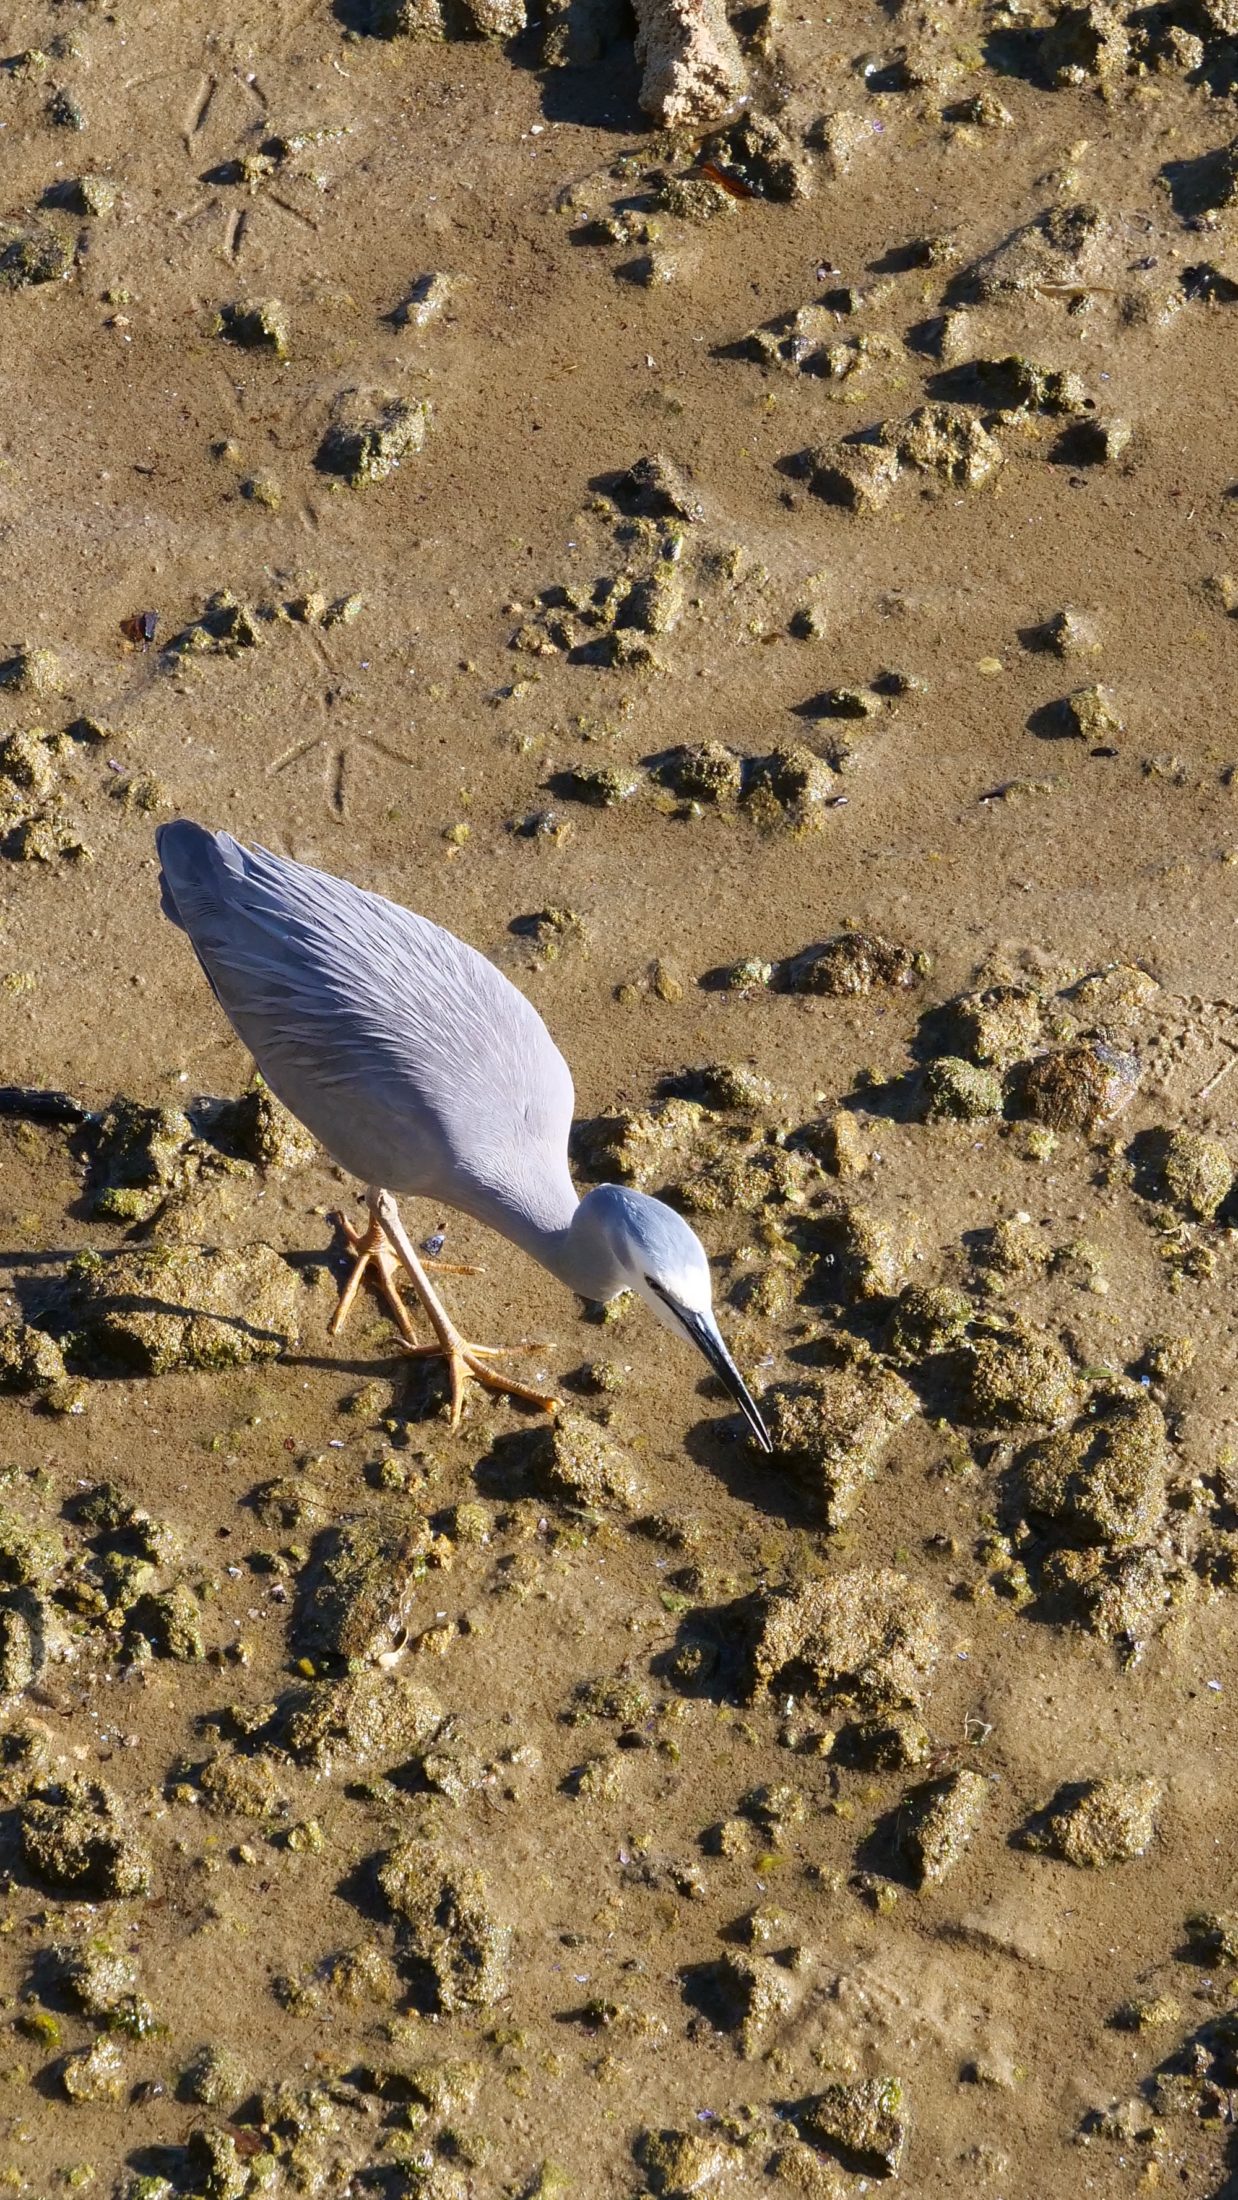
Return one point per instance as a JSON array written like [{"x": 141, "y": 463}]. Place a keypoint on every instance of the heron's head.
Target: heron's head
[{"x": 665, "y": 1262}]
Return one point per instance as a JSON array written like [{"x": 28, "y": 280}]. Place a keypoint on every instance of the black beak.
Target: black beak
[{"x": 705, "y": 1337}]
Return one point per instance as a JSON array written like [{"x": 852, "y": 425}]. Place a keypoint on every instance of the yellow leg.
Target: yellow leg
[
  {"x": 463, "y": 1359},
  {"x": 372, "y": 1248}
]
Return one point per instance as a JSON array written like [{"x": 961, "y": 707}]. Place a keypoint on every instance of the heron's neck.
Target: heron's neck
[{"x": 575, "y": 1249}]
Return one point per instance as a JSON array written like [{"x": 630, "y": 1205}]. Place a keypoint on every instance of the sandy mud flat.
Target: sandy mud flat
[{"x": 737, "y": 516}]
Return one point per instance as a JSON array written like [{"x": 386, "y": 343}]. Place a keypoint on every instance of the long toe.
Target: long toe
[{"x": 469, "y": 1360}]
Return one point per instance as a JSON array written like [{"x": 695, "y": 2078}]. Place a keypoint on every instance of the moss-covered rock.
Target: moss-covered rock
[
  {"x": 677, "y": 2164},
  {"x": 1074, "y": 1087},
  {"x": 31, "y": 1554},
  {"x": 937, "y": 1822},
  {"x": 867, "y": 1639},
  {"x": 97, "y": 2075},
  {"x": 105, "y": 1985},
  {"x": 451, "y": 1934},
  {"x": 1095, "y": 1822},
  {"x": 994, "y": 1027},
  {"x": 170, "y": 1620},
  {"x": 156, "y": 1311},
  {"x": 31, "y": 1361},
  {"x": 75, "y": 1839},
  {"x": 928, "y": 1318},
  {"x": 853, "y": 963},
  {"x": 831, "y": 1432}
]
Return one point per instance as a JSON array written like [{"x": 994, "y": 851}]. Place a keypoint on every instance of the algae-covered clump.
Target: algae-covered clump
[
  {"x": 960, "y": 1089},
  {"x": 1094, "y": 1822},
  {"x": 370, "y": 434},
  {"x": 32, "y": 252},
  {"x": 1103, "y": 1479},
  {"x": 938, "y": 1820},
  {"x": 373, "y": 1714},
  {"x": 256, "y": 325},
  {"x": 852, "y": 964},
  {"x": 676, "y": 2164},
  {"x": 215, "y": 2078},
  {"x": 576, "y": 1461},
  {"x": 1018, "y": 1374},
  {"x": 863, "y": 2122},
  {"x": 868, "y": 1639},
  {"x": 994, "y": 1027},
  {"x": 104, "y": 1984},
  {"x": 1089, "y": 714},
  {"x": 31, "y": 1555},
  {"x": 831, "y": 1431},
  {"x": 927, "y": 1318},
  {"x": 97, "y": 2074},
  {"x": 451, "y": 1934},
  {"x": 74, "y": 1838},
  {"x": 707, "y": 772},
  {"x": 358, "y": 1590},
  {"x": 1197, "y": 1174},
  {"x": 183, "y": 1307},
  {"x": 859, "y": 1255},
  {"x": 33, "y": 1362}
]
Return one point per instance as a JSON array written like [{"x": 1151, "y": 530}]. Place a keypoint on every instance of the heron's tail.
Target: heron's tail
[{"x": 192, "y": 863}]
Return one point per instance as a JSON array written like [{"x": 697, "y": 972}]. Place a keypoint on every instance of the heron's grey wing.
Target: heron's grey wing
[{"x": 415, "y": 1061}]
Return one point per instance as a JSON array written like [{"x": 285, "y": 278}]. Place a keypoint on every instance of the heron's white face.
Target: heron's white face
[{"x": 678, "y": 1285}]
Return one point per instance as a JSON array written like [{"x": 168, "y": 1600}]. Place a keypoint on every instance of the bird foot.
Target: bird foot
[
  {"x": 468, "y": 1360},
  {"x": 373, "y": 1249}
]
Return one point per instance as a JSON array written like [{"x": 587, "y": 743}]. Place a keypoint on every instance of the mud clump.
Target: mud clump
[
  {"x": 1095, "y": 1822},
  {"x": 708, "y": 772},
  {"x": 938, "y": 1820},
  {"x": 1074, "y": 1087},
  {"x": 693, "y": 68},
  {"x": 74, "y": 1838},
  {"x": 863, "y": 2123},
  {"x": 256, "y": 326},
  {"x": 1104, "y": 1479},
  {"x": 358, "y": 1591},
  {"x": 1089, "y": 714},
  {"x": 761, "y": 157},
  {"x": 859, "y": 1255},
  {"x": 868, "y": 1640},
  {"x": 371, "y": 1716},
  {"x": 182, "y": 1307},
  {"x": 830, "y": 1433},
  {"x": 445, "y": 19},
  {"x": 370, "y": 435},
  {"x": 451, "y": 1936}
]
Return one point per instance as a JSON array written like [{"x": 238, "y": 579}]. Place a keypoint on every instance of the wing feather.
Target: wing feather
[{"x": 415, "y": 1061}]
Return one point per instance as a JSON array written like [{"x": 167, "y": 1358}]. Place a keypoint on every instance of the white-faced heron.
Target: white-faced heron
[{"x": 424, "y": 1072}]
